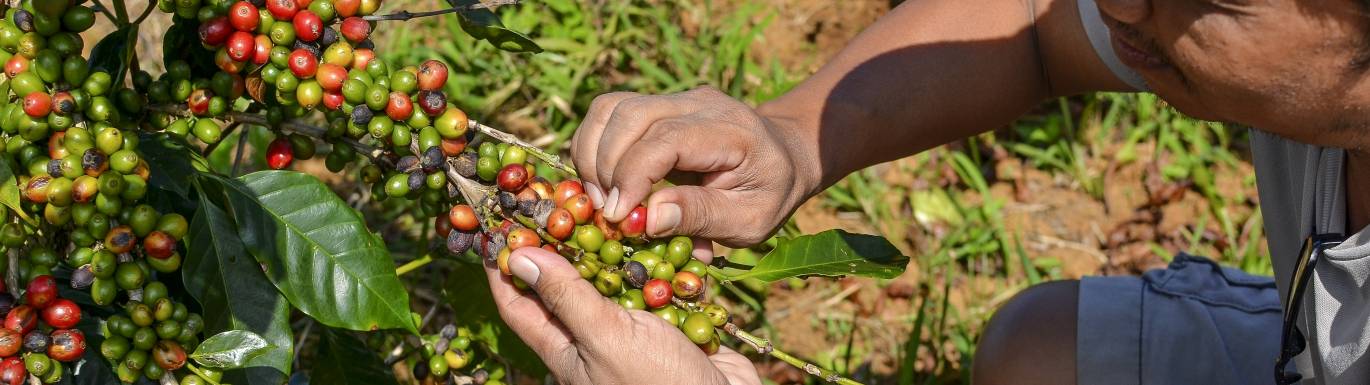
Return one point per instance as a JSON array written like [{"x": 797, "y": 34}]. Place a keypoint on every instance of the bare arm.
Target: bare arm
[
  {"x": 936, "y": 71},
  {"x": 930, "y": 72}
]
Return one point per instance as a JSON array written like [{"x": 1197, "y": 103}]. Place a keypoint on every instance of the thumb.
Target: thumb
[
  {"x": 698, "y": 211},
  {"x": 563, "y": 292}
]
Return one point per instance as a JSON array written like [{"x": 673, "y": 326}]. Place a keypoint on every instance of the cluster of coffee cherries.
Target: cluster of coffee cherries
[
  {"x": 657, "y": 275},
  {"x": 297, "y": 56},
  {"x": 156, "y": 329},
  {"x": 39, "y": 334},
  {"x": 71, "y": 134},
  {"x": 444, "y": 353}
]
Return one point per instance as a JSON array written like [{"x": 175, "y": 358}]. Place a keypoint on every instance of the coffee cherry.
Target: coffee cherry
[
  {"x": 62, "y": 314},
  {"x": 199, "y": 102},
  {"x": 241, "y": 46},
  {"x": 580, "y": 206},
  {"x": 589, "y": 238},
  {"x": 560, "y": 224},
  {"x": 159, "y": 245},
  {"x": 355, "y": 29},
  {"x": 68, "y": 345},
  {"x": 346, "y": 8},
  {"x": 261, "y": 49},
  {"x": 22, "y": 319},
  {"x": 698, "y": 328},
  {"x": 432, "y": 75},
  {"x": 565, "y": 190},
  {"x": 12, "y": 371},
  {"x": 331, "y": 77},
  {"x": 35, "y": 342},
  {"x": 37, "y": 105},
  {"x": 244, "y": 16},
  {"x": 42, "y": 290},
  {"x": 303, "y": 64},
  {"x": 452, "y": 123},
  {"x": 512, "y": 178},
  {"x": 283, "y": 9},
  {"x": 433, "y": 103},
  {"x": 463, "y": 218},
  {"x": 656, "y": 293},
  {"x": 635, "y": 223},
  {"x": 399, "y": 107},
  {"x": 120, "y": 240},
  {"x": 215, "y": 31},
  {"x": 523, "y": 237},
  {"x": 10, "y": 342},
  {"x": 608, "y": 283},
  {"x": 636, "y": 273},
  {"x": 687, "y": 285},
  {"x": 308, "y": 26}
]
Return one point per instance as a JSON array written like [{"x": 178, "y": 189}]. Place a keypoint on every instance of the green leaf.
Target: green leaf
[
  {"x": 343, "y": 359},
  {"x": 317, "y": 251},
  {"x": 182, "y": 37},
  {"x": 176, "y": 162},
  {"x": 829, "y": 253},
  {"x": 9, "y": 189},
  {"x": 112, "y": 53},
  {"x": 230, "y": 350},
  {"x": 233, "y": 291},
  {"x": 468, "y": 291},
  {"x": 484, "y": 24}
]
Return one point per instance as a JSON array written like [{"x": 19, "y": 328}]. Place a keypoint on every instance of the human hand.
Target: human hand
[
  {"x": 584, "y": 338},
  {"x": 738, "y": 174}
]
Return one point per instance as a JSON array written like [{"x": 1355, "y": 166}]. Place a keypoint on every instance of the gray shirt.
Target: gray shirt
[{"x": 1302, "y": 190}]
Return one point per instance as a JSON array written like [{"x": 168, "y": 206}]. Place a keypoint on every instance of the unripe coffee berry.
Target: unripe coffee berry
[{"x": 687, "y": 285}]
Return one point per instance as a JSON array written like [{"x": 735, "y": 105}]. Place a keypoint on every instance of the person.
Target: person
[{"x": 935, "y": 71}]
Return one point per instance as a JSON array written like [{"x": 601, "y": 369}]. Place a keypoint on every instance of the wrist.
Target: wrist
[{"x": 800, "y": 144}]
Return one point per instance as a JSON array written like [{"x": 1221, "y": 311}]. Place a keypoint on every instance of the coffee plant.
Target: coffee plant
[{"x": 129, "y": 260}]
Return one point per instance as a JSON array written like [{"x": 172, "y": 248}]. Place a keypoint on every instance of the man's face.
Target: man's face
[{"x": 1296, "y": 68}]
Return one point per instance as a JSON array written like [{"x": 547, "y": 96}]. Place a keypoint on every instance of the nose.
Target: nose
[{"x": 1126, "y": 11}]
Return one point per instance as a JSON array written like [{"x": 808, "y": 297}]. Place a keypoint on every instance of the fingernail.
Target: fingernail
[
  {"x": 664, "y": 218},
  {"x": 611, "y": 203},
  {"x": 596, "y": 196},
  {"x": 702, "y": 255},
  {"x": 524, "y": 268}
]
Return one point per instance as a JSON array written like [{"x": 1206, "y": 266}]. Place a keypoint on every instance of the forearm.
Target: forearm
[{"x": 932, "y": 72}]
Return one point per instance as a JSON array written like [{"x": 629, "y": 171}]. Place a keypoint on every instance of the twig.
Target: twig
[
  {"x": 764, "y": 346},
  {"x": 151, "y": 4},
  {"x": 406, "y": 15},
  {"x": 105, "y": 10},
  {"x": 238, "y": 155},
  {"x": 119, "y": 9},
  {"x": 304, "y": 335},
  {"x": 413, "y": 265},
  {"x": 375, "y": 154},
  {"x": 549, "y": 159}
]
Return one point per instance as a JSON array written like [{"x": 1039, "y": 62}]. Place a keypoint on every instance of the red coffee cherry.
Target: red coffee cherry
[
  {"x": 580, "y": 206},
  {"x": 522, "y": 237},
  {"x": 261, "y": 49},
  {"x": 37, "y": 105},
  {"x": 215, "y": 31},
  {"x": 283, "y": 9},
  {"x": 68, "y": 345},
  {"x": 244, "y": 16},
  {"x": 10, "y": 342},
  {"x": 463, "y": 218},
  {"x": 16, "y": 65},
  {"x": 656, "y": 293},
  {"x": 512, "y": 177},
  {"x": 21, "y": 319},
  {"x": 333, "y": 100},
  {"x": 399, "y": 108},
  {"x": 278, "y": 155},
  {"x": 560, "y": 224},
  {"x": 168, "y": 355},
  {"x": 361, "y": 57},
  {"x": 331, "y": 76},
  {"x": 308, "y": 26},
  {"x": 303, "y": 64},
  {"x": 355, "y": 29},
  {"x": 241, "y": 46},
  {"x": 635, "y": 223},
  {"x": 432, "y": 75},
  {"x": 198, "y": 102},
  {"x": 159, "y": 245},
  {"x": 609, "y": 229},
  {"x": 12, "y": 371},
  {"x": 565, "y": 190},
  {"x": 346, "y": 8},
  {"x": 62, "y": 314},
  {"x": 42, "y": 290}
]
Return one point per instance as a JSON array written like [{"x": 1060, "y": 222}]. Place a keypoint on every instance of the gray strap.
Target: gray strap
[{"x": 1103, "y": 45}]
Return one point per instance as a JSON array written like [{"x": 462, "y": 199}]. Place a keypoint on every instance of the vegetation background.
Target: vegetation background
[{"x": 1092, "y": 185}]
